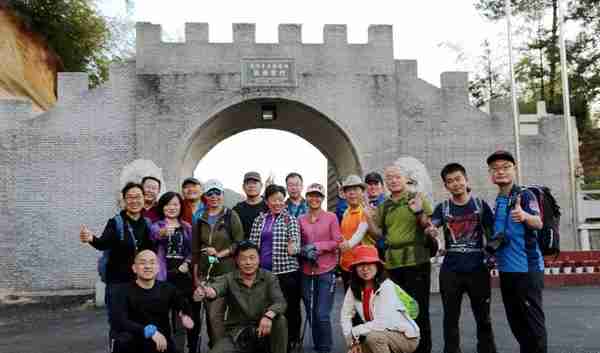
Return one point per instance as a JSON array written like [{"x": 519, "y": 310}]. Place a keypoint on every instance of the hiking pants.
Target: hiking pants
[
  {"x": 318, "y": 302},
  {"x": 291, "y": 287},
  {"x": 522, "y": 297},
  {"x": 453, "y": 285},
  {"x": 416, "y": 281},
  {"x": 278, "y": 340}
]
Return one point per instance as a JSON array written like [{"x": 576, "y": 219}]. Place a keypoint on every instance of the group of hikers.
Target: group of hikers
[{"x": 174, "y": 261}]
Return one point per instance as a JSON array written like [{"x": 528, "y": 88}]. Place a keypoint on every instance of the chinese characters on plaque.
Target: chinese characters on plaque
[{"x": 268, "y": 72}]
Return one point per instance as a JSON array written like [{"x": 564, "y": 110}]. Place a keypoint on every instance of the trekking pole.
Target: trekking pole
[
  {"x": 310, "y": 316},
  {"x": 211, "y": 261}
]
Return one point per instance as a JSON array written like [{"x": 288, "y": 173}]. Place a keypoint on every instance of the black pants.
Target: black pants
[
  {"x": 124, "y": 342},
  {"x": 416, "y": 281},
  {"x": 522, "y": 297},
  {"x": 193, "y": 335},
  {"x": 291, "y": 287},
  {"x": 453, "y": 285}
]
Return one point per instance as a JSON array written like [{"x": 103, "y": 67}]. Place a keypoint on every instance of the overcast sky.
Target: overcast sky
[{"x": 422, "y": 31}]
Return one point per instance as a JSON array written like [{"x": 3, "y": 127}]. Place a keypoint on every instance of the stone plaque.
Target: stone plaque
[{"x": 257, "y": 72}]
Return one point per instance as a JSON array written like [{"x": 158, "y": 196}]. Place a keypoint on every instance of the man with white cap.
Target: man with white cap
[{"x": 214, "y": 235}]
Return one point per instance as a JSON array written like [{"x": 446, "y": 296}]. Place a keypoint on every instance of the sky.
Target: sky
[{"x": 430, "y": 31}]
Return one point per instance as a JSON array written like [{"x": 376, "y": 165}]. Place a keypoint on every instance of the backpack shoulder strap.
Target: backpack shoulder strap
[
  {"x": 478, "y": 204},
  {"x": 445, "y": 210},
  {"x": 227, "y": 220},
  {"x": 387, "y": 204},
  {"x": 120, "y": 226}
]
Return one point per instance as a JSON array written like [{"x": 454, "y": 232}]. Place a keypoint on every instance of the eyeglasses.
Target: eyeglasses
[
  {"x": 134, "y": 198},
  {"x": 213, "y": 192},
  {"x": 504, "y": 168}
]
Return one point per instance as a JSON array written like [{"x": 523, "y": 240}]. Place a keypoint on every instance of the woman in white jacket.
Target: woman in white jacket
[{"x": 387, "y": 311}]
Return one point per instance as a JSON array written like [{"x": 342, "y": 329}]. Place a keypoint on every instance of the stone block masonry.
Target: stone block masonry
[{"x": 171, "y": 104}]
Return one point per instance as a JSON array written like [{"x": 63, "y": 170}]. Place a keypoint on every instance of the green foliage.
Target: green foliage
[
  {"x": 487, "y": 83},
  {"x": 74, "y": 29},
  {"x": 538, "y": 70}
]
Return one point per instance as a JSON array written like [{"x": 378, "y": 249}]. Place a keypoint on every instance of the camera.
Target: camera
[
  {"x": 310, "y": 253},
  {"x": 499, "y": 241}
]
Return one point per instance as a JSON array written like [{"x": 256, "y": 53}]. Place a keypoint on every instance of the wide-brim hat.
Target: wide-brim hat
[
  {"x": 365, "y": 254},
  {"x": 353, "y": 180},
  {"x": 315, "y": 188}
]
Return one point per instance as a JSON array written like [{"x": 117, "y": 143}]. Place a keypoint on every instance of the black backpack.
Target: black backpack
[{"x": 549, "y": 236}]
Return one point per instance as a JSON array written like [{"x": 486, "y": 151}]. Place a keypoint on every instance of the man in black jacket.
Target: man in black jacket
[
  {"x": 140, "y": 310},
  {"x": 126, "y": 234}
]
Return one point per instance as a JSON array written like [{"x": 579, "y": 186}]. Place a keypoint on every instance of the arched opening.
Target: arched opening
[
  {"x": 266, "y": 151},
  {"x": 290, "y": 116}
]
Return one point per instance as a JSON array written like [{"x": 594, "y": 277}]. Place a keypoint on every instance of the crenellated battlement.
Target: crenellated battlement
[{"x": 198, "y": 54}]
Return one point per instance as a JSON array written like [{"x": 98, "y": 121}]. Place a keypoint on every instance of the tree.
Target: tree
[
  {"x": 488, "y": 83},
  {"x": 583, "y": 53},
  {"x": 73, "y": 29}
]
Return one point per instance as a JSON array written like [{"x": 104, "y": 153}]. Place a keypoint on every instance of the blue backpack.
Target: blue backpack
[{"x": 103, "y": 259}]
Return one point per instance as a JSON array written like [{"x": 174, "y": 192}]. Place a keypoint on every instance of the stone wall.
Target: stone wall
[{"x": 358, "y": 105}]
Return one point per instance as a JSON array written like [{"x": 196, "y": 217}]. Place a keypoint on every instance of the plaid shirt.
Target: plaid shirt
[{"x": 285, "y": 227}]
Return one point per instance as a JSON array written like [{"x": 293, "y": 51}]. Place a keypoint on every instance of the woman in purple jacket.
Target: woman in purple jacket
[{"x": 173, "y": 239}]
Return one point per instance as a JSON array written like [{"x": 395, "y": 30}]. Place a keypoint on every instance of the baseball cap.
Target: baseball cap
[
  {"x": 252, "y": 176},
  {"x": 500, "y": 155},
  {"x": 212, "y": 184},
  {"x": 373, "y": 177},
  {"x": 190, "y": 180},
  {"x": 315, "y": 187}
]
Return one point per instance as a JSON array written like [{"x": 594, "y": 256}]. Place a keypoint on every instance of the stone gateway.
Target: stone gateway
[{"x": 175, "y": 101}]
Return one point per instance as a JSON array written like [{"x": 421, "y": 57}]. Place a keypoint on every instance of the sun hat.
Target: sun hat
[
  {"x": 353, "y": 180},
  {"x": 316, "y": 188},
  {"x": 365, "y": 254}
]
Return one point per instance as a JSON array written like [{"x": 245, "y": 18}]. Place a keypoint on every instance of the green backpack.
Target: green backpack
[{"x": 411, "y": 305}]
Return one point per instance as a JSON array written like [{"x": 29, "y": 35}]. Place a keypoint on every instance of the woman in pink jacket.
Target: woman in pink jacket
[{"x": 320, "y": 236}]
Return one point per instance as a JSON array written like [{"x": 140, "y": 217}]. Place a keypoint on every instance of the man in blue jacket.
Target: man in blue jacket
[{"x": 518, "y": 255}]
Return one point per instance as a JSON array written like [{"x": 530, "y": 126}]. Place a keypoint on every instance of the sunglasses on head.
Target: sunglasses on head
[{"x": 213, "y": 192}]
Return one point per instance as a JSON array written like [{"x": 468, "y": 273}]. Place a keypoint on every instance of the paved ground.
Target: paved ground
[{"x": 573, "y": 321}]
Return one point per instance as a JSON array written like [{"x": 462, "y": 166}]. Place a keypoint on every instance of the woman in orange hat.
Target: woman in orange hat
[{"x": 386, "y": 310}]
